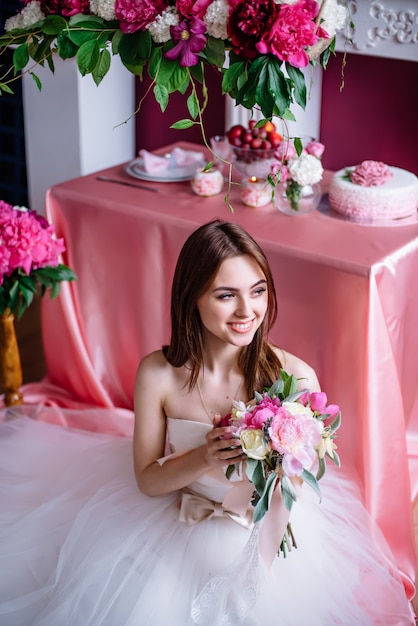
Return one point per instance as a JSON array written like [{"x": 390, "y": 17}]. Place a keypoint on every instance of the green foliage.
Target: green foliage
[{"x": 18, "y": 289}]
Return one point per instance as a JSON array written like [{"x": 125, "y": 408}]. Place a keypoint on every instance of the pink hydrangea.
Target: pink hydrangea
[
  {"x": 136, "y": 15},
  {"x": 293, "y": 30},
  {"x": 27, "y": 241}
]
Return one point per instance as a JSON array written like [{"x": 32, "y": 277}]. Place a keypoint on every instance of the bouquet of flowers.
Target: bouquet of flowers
[
  {"x": 269, "y": 42},
  {"x": 29, "y": 254},
  {"x": 284, "y": 433},
  {"x": 297, "y": 167}
]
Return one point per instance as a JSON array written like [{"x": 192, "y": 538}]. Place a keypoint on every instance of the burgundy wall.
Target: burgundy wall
[
  {"x": 375, "y": 116},
  {"x": 153, "y": 127}
]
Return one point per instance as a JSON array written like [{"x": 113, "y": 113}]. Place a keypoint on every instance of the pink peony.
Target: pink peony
[
  {"x": 65, "y": 7},
  {"x": 263, "y": 411},
  {"x": 295, "y": 436},
  {"x": 293, "y": 30},
  {"x": 192, "y": 8},
  {"x": 315, "y": 148},
  {"x": 248, "y": 22},
  {"x": 371, "y": 173},
  {"x": 135, "y": 15}
]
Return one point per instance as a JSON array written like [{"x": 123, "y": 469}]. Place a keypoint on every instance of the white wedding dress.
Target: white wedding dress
[{"x": 81, "y": 546}]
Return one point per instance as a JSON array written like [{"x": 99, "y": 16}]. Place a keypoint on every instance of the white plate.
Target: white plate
[{"x": 136, "y": 169}]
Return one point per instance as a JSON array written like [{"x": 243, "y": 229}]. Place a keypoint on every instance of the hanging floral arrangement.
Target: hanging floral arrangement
[{"x": 260, "y": 47}]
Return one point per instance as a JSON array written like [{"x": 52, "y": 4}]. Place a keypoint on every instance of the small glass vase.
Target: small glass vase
[{"x": 293, "y": 199}]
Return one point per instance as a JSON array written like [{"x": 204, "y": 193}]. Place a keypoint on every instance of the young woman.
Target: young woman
[{"x": 182, "y": 549}]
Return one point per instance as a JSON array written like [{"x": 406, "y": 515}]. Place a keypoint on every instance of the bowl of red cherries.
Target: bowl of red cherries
[{"x": 253, "y": 148}]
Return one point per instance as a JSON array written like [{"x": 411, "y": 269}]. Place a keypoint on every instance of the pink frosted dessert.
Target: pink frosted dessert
[{"x": 374, "y": 191}]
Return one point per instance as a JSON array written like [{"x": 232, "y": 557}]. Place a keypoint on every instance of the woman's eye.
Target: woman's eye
[
  {"x": 260, "y": 291},
  {"x": 226, "y": 296}
]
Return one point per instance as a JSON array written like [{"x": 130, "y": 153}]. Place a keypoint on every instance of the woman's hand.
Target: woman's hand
[{"x": 221, "y": 447}]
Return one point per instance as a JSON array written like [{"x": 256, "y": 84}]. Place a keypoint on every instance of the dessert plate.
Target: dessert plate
[{"x": 174, "y": 174}]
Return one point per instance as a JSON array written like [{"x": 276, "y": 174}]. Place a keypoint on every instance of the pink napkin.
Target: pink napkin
[{"x": 155, "y": 164}]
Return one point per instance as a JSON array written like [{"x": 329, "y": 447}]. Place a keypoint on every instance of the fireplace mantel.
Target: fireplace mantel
[{"x": 383, "y": 28}]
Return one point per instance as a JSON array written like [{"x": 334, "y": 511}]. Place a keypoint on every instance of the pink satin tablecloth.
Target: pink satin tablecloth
[{"x": 348, "y": 304}]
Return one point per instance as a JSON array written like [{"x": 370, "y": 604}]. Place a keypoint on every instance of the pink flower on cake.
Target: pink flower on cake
[{"x": 371, "y": 174}]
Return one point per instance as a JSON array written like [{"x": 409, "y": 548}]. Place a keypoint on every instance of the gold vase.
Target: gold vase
[{"x": 11, "y": 368}]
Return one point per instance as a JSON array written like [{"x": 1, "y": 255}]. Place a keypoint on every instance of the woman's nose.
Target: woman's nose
[{"x": 243, "y": 307}]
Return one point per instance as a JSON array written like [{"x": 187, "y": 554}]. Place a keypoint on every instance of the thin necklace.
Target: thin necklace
[{"x": 204, "y": 405}]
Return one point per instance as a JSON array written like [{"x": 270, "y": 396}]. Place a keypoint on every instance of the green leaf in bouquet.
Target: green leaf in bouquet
[
  {"x": 214, "y": 51},
  {"x": 336, "y": 423},
  {"x": 87, "y": 57},
  {"x": 264, "y": 502},
  {"x": 231, "y": 77},
  {"x": 312, "y": 481},
  {"x": 288, "y": 492},
  {"x": 335, "y": 458},
  {"x": 277, "y": 388},
  {"x": 321, "y": 468},
  {"x": 231, "y": 469},
  {"x": 20, "y": 57},
  {"x": 80, "y": 36},
  {"x": 255, "y": 474},
  {"x": 180, "y": 124},
  {"x": 53, "y": 24},
  {"x": 55, "y": 290},
  {"x": 102, "y": 66},
  {"x": 278, "y": 87},
  {"x": 66, "y": 48},
  {"x": 161, "y": 96},
  {"x": 134, "y": 49},
  {"x": 298, "y": 84},
  {"x": 178, "y": 77}
]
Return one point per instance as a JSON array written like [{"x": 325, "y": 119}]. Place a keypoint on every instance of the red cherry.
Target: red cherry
[
  {"x": 235, "y": 141},
  {"x": 251, "y": 124},
  {"x": 266, "y": 145},
  {"x": 256, "y": 143},
  {"x": 235, "y": 131},
  {"x": 247, "y": 137}
]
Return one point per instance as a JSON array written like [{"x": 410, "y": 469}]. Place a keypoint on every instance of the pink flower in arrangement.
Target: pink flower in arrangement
[
  {"x": 135, "y": 15},
  {"x": 247, "y": 24},
  {"x": 65, "y": 7},
  {"x": 27, "y": 241},
  {"x": 189, "y": 39},
  {"x": 262, "y": 412},
  {"x": 295, "y": 434},
  {"x": 293, "y": 30},
  {"x": 192, "y": 8},
  {"x": 315, "y": 148}
]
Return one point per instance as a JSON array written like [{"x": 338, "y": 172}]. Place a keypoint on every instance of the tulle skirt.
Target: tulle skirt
[{"x": 81, "y": 546}]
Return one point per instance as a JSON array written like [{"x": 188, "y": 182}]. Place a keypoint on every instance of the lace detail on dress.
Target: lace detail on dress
[{"x": 242, "y": 580}]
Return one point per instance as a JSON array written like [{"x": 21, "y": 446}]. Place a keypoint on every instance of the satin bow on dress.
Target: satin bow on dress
[{"x": 195, "y": 508}]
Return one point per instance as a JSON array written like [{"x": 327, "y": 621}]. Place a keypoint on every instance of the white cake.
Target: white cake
[{"x": 374, "y": 191}]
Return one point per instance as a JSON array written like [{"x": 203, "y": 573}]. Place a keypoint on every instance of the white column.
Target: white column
[{"x": 73, "y": 127}]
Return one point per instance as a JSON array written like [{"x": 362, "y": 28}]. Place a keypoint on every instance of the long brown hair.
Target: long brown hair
[{"x": 197, "y": 265}]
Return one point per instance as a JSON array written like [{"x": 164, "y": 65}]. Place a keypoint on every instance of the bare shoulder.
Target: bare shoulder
[
  {"x": 299, "y": 368},
  {"x": 153, "y": 366}
]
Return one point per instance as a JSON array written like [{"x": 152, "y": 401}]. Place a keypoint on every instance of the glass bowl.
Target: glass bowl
[{"x": 251, "y": 162}]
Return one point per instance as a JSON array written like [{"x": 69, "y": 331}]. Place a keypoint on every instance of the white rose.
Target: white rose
[
  {"x": 296, "y": 408},
  {"x": 253, "y": 444}
]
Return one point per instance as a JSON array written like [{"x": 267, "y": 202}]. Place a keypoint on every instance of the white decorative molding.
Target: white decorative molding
[{"x": 383, "y": 28}]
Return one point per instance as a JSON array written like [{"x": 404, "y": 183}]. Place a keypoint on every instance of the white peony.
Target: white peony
[
  {"x": 29, "y": 15},
  {"x": 103, "y": 8},
  {"x": 333, "y": 17},
  {"x": 305, "y": 170},
  {"x": 160, "y": 28},
  {"x": 216, "y": 18}
]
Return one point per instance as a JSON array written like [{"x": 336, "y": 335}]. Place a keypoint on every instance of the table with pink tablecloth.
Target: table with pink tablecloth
[{"x": 348, "y": 304}]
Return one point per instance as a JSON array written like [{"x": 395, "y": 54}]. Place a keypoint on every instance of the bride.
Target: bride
[{"x": 95, "y": 531}]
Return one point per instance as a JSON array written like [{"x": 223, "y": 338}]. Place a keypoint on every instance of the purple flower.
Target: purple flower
[{"x": 189, "y": 39}]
